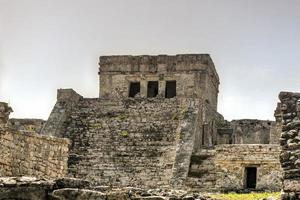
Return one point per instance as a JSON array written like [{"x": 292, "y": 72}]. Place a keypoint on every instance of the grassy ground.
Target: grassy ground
[{"x": 250, "y": 196}]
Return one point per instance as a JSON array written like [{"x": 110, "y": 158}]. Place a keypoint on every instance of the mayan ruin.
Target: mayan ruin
[{"x": 155, "y": 125}]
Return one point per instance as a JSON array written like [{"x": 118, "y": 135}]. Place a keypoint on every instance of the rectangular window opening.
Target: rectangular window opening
[
  {"x": 251, "y": 176},
  {"x": 134, "y": 89},
  {"x": 152, "y": 90},
  {"x": 170, "y": 89}
]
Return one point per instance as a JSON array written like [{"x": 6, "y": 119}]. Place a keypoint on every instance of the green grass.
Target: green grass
[{"x": 250, "y": 196}]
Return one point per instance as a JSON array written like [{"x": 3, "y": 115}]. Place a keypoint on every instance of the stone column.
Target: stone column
[{"x": 144, "y": 88}]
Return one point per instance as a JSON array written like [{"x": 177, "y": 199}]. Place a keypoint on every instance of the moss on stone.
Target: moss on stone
[{"x": 124, "y": 133}]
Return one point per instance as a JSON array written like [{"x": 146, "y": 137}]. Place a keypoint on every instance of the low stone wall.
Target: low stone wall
[
  {"x": 32, "y": 155},
  {"x": 290, "y": 142},
  {"x": 232, "y": 160}
]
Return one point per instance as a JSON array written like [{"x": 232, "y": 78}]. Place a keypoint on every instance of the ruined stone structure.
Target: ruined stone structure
[
  {"x": 154, "y": 124},
  {"x": 146, "y": 139},
  {"x": 289, "y": 107}
]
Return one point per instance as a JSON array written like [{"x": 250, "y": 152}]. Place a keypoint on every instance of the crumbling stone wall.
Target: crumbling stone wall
[
  {"x": 32, "y": 155},
  {"x": 231, "y": 160},
  {"x": 130, "y": 141},
  {"x": 290, "y": 143},
  {"x": 251, "y": 131}
]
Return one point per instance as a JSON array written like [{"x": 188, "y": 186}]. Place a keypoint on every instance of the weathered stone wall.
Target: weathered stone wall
[
  {"x": 251, "y": 131},
  {"x": 231, "y": 160},
  {"x": 290, "y": 143},
  {"x": 132, "y": 141},
  {"x": 32, "y": 155}
]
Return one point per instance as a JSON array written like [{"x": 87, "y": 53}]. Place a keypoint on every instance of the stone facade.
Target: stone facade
[
  {"x": 289, "y": 108},
  {"x": 194, "y": 74}
]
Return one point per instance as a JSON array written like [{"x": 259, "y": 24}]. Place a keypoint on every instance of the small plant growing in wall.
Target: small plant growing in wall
[
  {"x": 124, "y": 133},
  {"x": 122, "y": 117}
]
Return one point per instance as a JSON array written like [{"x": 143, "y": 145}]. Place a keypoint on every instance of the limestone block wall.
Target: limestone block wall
[
  {"x": 290, "y": 143},
  {"x": 231, "y": 161},
  {"x": 132, "y": 142},
  {"x": 30, "y": 154}
]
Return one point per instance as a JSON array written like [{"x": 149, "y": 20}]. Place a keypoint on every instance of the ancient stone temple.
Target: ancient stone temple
[
  {"x": 152, "y": 114},
  {"x": 154, "y": 124}
]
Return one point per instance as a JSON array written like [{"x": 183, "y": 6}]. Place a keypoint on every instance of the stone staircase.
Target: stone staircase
[{"x": 202, "y": 173}]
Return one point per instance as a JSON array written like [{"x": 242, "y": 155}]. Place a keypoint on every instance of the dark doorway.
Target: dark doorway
[
  {"x": 251, "y": 175},
  {"x": 134, "y": 89},
  {"x": 170, "y": 89},
  {"x": 203, "y": 135},
  {"x": 152, "y": 89}
]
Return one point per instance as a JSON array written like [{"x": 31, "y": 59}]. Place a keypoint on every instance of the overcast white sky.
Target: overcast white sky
[{"x": 51, "y": 44}]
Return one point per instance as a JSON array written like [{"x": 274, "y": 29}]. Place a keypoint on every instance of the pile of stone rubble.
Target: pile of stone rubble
[{"x": 30, "y": 188}]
